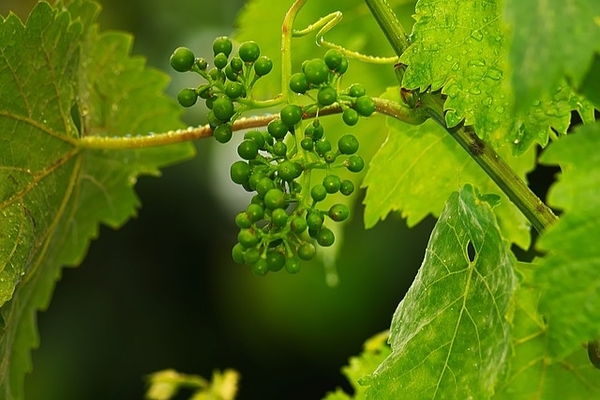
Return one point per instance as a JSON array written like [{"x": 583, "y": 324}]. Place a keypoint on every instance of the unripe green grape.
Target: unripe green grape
[
  {"x": 237, "y": 253},
  {"x": 201, "y": 63},
  {"x": 318, "y": 130},
  {"x": 347, "y": 187},
  {"x": 289, "y": 170},
  {"x": 356, "y": 90},
  {"x": 217, "y": 75},
  {"x": 325, "y": 237},
  {"x": 254, "y": 178},
  {"x": 348, "y": 144},
  {"x": 326, "y": 96},
  {"x": 316, "y": 71},
  {"x": 223, "y": 133},
  {"x": 187, "y": 97},
  {"x": 248, "y": 149},
  {"x": 268, "y": 138},
  {"x": 251, "y": 256},
  {"x": 330, "y": 157},
  {"x": 257, "y": 200},
  {"x": 299, "y": 83},
  {"x": 355, "y": 163},
  {"x": 279, "y": 217},
  {"x": 279, "y": 149},
  {"x": 264, "y": 185},
  {"x": 243, "y": 221},
  {"x": 248, "y": 237},
  {"x": 263, "y": 66},
  {"x": 350, "y": 116},
  {"x": 233, "y": 90},
  {"x": 213, "y": 121},
  {"x": 222, "y": 44},
  {"x": 333, "y": 58},
  {"x": 313, "y": 232},
  {"x": 236, "y": 64},
  {"x": 249, "y": 51},
  {"x": 293, "y": 265},
  {"x": 256, "y": 212},
  {"x": 239, "y": 172},
  {"x": 306, "y": 251},
  {"x": 277, "y": 128},
  {"x": 221, "y": 61},
  {"x": 307, "y": 144},
  {"x": 291, "y": 114},
  {"x": 332, "y": 183},
  {"x": 275, "y": 261},
  {"x": 274, "y": 198},
  {"x": 322, "y": 146},
  {"x": 204, "y": 92},
  {"x": 314, "y": 220},
  {"x": 365, "y": 106},
  {"x": 298, "y": 225},
  {"x": 223, "y": 108},
  {"x": 257, "y": 137},
  {"x": 339, "y": 212},
  {"x": 318, "y": 193},
  {"x": 182, "y": 59},
  {"x": 231, "y": 74},
  {"x": 260, "y": 268},
  {"x": 343, "y": 67}
]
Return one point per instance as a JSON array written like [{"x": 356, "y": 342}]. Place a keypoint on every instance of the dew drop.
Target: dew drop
[
  {"x": 452, "y": 119},
  {"x": 455, "y": 66},
  {"x": 500, "y": 109},
  {"x": 448, "y": 57},
  {"x": 477, "y": 63},
  {"x": 494, "y": 74},
  {"x": 477, "y": 35},
  {"x": 537, "y": 102},
  {"x": 434, "y": 47},
  {"x": 475, "y": 90}
]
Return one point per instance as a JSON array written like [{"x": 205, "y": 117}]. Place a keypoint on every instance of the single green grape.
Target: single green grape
[
  {"x": 249, "y": 51},
  {"x": 316, "y": 71},
  {"x": 201, "y": 64},
  {"x": 243, "y": 221},
  {"x": 355, "y": 163},
  {"x": 350, "y": 116},
  {"x": 326, "y": 96},
  {"x": 268, "y": 138},
  {"x": 325, "y": 237},
  {"x": 347, "y": 187},
  {"x": 332, "y": 183},
  {"x": 223, "y": 108},
  {"x": 248, "y": 149},
  {"x": 356, "y": 90},
  {"x": 257, "y": 136},
  {"x": 299, "y": 83},
  {"x": 222, "y": 44},
  {"x": 279, "y": 217},
  {"x": 236, "y": 64},
  {"x": 275, "y": 261},
  {"x": 237, "y": 253},
  {"x": 264, "y": 185},
  {"x": 339, "y": 212},
  {"x": 233, "y": 90},
  {"x": 291, "y": 114},
  {"x": 223, "y": 133},
  {"x": 248, "y": 238},
  {"x": 289, "y": 170},
  {"x": 255, "y": 176},
  {"x": 322, "y": 146},
  {"x": 330, "y": 157},
  {"x": 263, "y": 66},
  {"x": 277, "y": 128},
  {"x": 293, "y": 265},
  {"x": 298, "y": 225},
  {"x": 333, "y": 58},
  {"x": 279, "y": 149},
  {"x": 318, "y": 193},
  {"x": 260, "y": 268},
  {"x": 365, "y": 106},
  {"x": 306, "y": 251},
  {"x": 343, "y": 67},
  {"x": 318, "y": 130},
  {"x": 187, "y": 97},
  {"x": 221, "y": 60},
  {"x": 314, "y": 220},
  {"x": 274, "y": 198},
  {"x": 239, "y": 172},
  {"x": 231, "y": 74},
  {"x": 348, "y": 144},
  {"x": 182, "y": 59},
  {"x": 307, "y": 144},
  {"x": 256, "y": 212},
  {"x": 251, "y": 256}
]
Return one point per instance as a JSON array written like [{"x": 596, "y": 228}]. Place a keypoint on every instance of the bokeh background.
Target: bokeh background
[{"x": 163, "y": 292}]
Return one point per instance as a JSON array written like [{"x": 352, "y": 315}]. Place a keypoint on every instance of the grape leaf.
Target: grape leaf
[
  {"x": 461, "y": 47},
  {"x": 590, "y": 87},
  {"x": 449, "y": 335},
  {"x": 430, "y": 165},
  {"x": 62, "y": 80},
  {"x": 570, "y": 273},
  {"x": 532, "y": 374},
  {"x": 550, "y": 40},
  {"x": 375, "y": 350}
]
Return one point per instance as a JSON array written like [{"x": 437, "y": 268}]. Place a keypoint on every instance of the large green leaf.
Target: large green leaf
[
  {"x": 418, "y": 167},
  {"x": 461, "y": 47},
  {"x": 532, "y": 373},
  {"x": 570, "y": 273},
  {"x": 53, "y": 193},
  {"x": 449, "y": 336},
  {"x": 551, "y": 39}
]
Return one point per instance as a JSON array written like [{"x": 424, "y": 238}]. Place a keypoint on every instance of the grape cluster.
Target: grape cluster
[
  {"x": 287, "y": 216},
  {"x": 228, "y": 82}
]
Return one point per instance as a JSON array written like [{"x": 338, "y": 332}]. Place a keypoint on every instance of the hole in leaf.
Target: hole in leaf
[{"x": 471, "y": 253}]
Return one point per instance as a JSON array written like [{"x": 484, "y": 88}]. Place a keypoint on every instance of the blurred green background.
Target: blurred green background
[{"x": 162, "y": 292}]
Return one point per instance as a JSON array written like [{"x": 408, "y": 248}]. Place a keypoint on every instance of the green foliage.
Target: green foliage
[{"x": 53, "y": 194}]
